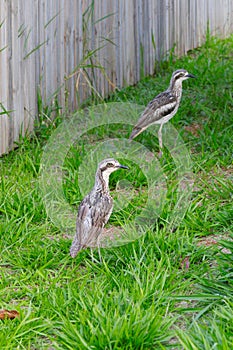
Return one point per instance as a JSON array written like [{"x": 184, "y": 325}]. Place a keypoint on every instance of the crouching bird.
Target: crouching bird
[
  {"x": 163, "y": 107},
  {"x": 95, "y": 209}
]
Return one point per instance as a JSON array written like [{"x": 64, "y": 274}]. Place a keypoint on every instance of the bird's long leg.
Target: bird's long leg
[
  {"x": 92, "y": 255},
  {"x": 98, "y": 245},
  {"x": 160, "y": 136}
]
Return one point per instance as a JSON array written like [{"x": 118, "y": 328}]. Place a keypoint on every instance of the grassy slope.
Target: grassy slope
[{"x": 141, "y": 296}]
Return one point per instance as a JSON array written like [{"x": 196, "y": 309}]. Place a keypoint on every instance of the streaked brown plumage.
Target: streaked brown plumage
[
  {"x": 95, "y": 209},
  {"x": 163, "y": 107}
]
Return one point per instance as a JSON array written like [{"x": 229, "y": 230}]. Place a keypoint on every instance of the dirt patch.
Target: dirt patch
[
  {"x": 214, "y": 240},
  {"x": 193, "y": 129}
]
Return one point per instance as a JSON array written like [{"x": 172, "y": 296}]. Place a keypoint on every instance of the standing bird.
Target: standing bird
[
  {"x": 95, "y": 209},
  {"x": 163, "y": 107}
]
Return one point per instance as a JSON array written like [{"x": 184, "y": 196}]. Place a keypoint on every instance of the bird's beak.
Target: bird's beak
[
  {"x": 123, "y": 166},
  {"x": 190, "y": 75}
]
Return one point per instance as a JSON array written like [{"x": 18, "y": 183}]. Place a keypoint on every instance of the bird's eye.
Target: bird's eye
[
  {"x": 109, "y": 165},
  {"x": 178, "y": 76}
]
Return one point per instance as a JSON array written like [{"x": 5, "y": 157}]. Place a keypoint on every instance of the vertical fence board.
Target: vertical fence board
[
  {"x": 27, "y": 41},
  {"x": 4, "y": 122}
]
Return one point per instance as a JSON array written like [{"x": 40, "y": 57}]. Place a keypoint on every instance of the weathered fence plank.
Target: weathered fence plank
[{"x": 45, "y": 44}]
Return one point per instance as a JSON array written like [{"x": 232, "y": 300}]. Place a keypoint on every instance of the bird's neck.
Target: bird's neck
[
  {"x": 176, "y": 88},
  {"x": 102, "y": 181}
]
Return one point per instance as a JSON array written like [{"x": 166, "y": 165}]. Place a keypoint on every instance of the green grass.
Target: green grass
[{"x": 142, "y": 295}]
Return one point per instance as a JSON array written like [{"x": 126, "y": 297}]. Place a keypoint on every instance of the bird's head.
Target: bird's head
[
  {"x": 181, "y": 74},
  {"x": 108, "y": 166},
  {"x": 177, "y": 77}
]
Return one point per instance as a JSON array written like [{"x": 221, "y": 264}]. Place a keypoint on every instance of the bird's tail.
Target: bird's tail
[
  {"x": 75, "y": 247},
  {"x": 136, "y": 131}
]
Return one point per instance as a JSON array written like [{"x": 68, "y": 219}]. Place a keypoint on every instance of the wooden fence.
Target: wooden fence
[{"x": 47, "y": 45}]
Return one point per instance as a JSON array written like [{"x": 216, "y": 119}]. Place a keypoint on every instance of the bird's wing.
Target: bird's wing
[
  {"x": 100, "y": 215},
  {"x": 162, "y": 105},
  {"x": 91, "y": 218}
]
